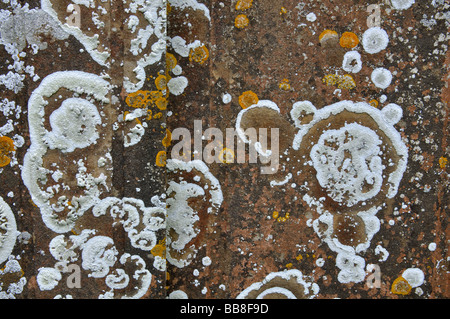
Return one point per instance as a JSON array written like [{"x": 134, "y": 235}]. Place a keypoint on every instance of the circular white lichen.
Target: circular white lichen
[
  {"x": 226, "y": 98},
  {"x": 73, "y": 125},
  {"x": 98, "y": 255},
  {"x": 320, "y": 262},
  {"x": 177, "y": 85},
  {"x": 178, "y": 294},
  {"x": 381, "y": 77},
  {"x": 301, "y": 109},
  {"x": 311, "y": 17},
  {"x": 402, "y": 4},
  {"x": 206, "y": 261},
  {"x": 414, "y": 276},
  {"x": 118, "y": 280},
  {"x": 352, "y": 62},
  {"x": 48, "y": 278},
  {"x": 375, "y": 40},
  {"x": 352, "y": 268},
  {"x": 432, "y": 246},
  {"x": 392, "y": 113},
  {"x": 94, "y": 89},
  {"x": 347, "y": 162}
]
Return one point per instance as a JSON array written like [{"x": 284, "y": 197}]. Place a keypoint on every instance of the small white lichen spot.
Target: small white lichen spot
[
  {"x": 206, "y": 261},
  {"x": 432, "y": 246},
  {"x": 178, "y": 294},
  {"x": 226, "y": 98},
  {"x": 352, "y": 62},
  {"x": 381, "y": 77},
  {"x": 311, "y": 17},
  {"x": 320, "y": 262},
  {"x": 375, "y": 40},
  {"x": 402, "y": 4}
]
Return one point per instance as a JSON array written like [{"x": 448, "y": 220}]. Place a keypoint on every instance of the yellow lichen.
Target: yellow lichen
[
  {"x": 282, "y": 219},
  {"x": 241, "y": 21},
  {"x": 199, "y": 54},
  {"x": 161, "y": 103},
  {"x": 283, "y": 11},
  {"x": 248, "y": 99},
  {"x": 401, "y": 286},
  {"x": 154, "y": 95},
  {"x": 341, "y": 81},
  {"x": 226, "y": 156},
  {"x": 374, "y": 103},
  {"x": 284, "y": 85},
  {"x": 158, "y": 116},
  {"x": 171, "y": 61},
  {"x": 159, "y": 249},
  {"x": 275, "y": 215},
  {"x": 6, "y": 147},
  {"x": 138, "y": 99},
  {"x": 244, "y": 4},
  {"x": 327, "y": 34},
  {"x": 161, "y": 159},
  {"x": 349, "y": 40},
  {"x": 289, "y": 266},
  {"x": 443, "y": 162},
  {"x": 167, "y": 139},
  {"x": 161, "y": 82}
]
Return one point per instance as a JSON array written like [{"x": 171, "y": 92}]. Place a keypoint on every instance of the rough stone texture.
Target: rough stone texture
[{"x": 228, "y": 231}]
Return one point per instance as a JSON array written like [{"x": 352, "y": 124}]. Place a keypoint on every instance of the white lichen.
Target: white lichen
[
  {"x": 352, "y": 62},
  {"x": 375, "y": 40},
  {"x": 402, "y": 4},
  {"x": 381, "y": 77}
]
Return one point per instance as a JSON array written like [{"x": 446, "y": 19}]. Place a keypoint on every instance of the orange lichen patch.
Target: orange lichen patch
[
  {"x": 161, "y": 159},
  {"x": 374, "y": 103},
  {"x": 159, "y": 249},
  {"x": 171, "y": 61},
  {"x": 158, "y": 115},
  {"x": 138, "y": 99},
  {"x": 280, "y": 219},
  {"x": 327, "y": 34},
  {"x": 289, "y": 266},
  {"x": 161, "y": 82},
  {"x": 199, "y": 54},
  {"x": 241, "y": 21},
  {"x": 349, "y": 40},
  {"x": 226, "y": 156},
  {"x": 248, "y": 99},
  {"x": 443, "y": 162},
  {"x": 401, "y": 286},
  {"x": 284, "y": 85},
  {"x": 6, "y": 147},
  {"x": 244, "y": 4},
  {"x": 167, "y": 140},
  {"x": 161, "y": 103},
  {"x": 341, "y": 81}
]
